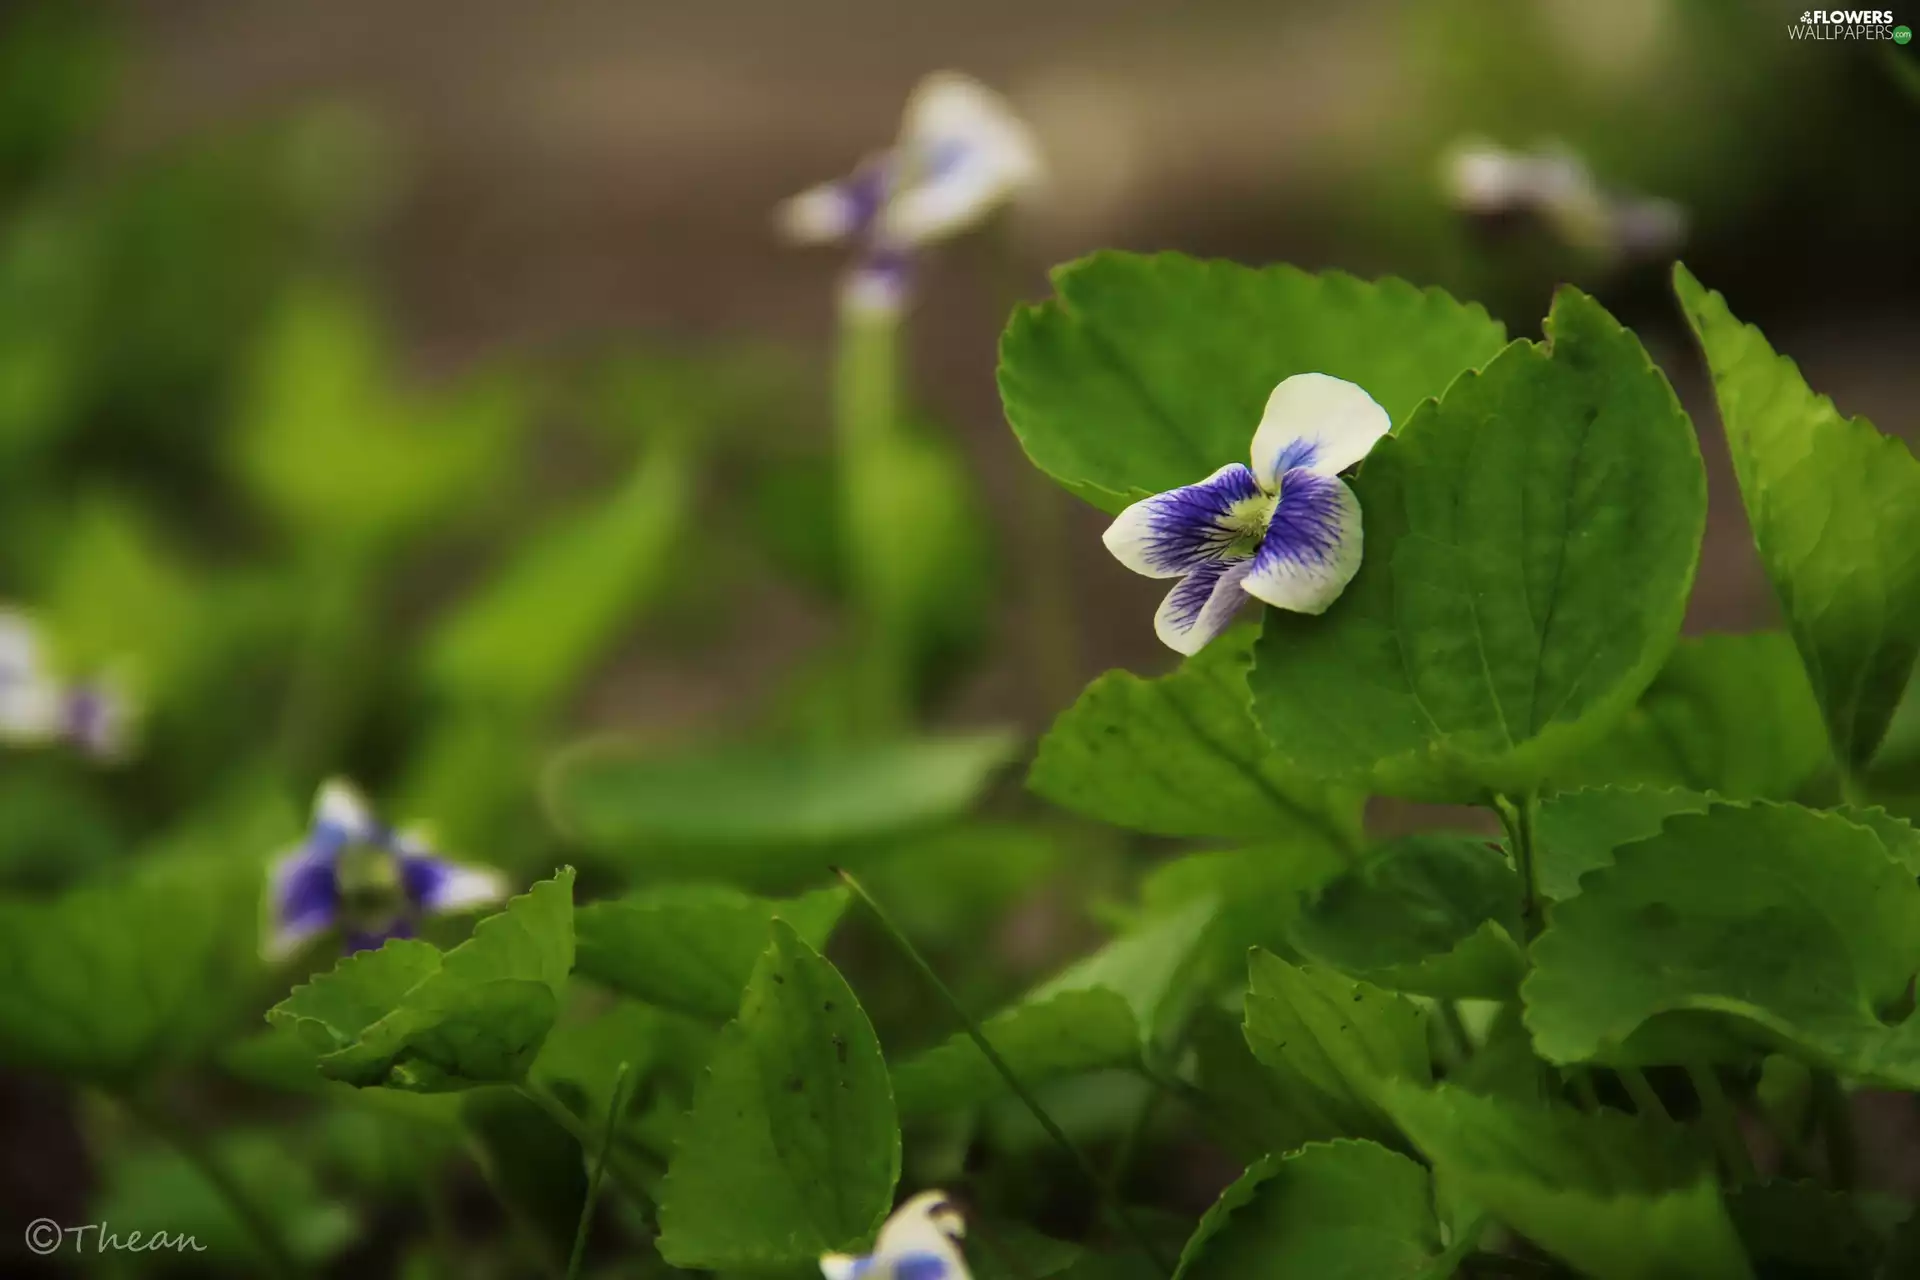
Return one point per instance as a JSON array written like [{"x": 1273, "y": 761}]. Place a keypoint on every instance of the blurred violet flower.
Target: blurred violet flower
[
  {"x": 37, "y": 709},
  {"x": 356, "y": 873},
  {"x": 962, "y": 153},
  {"x": 1555, "y": 185},
  {"x": 1285, "y": 531},
  {"x": 921, "y": 1241}
]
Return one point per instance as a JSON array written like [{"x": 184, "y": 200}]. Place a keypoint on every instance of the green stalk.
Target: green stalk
[
  {"x": 599, "y": 1173},
  {"x": 866, "y": 426},
  {"x": 1645, "y": 1100},
  {"x": 1109, "y": 1203},
  {"x": 1722, "y": 1123},
  {"x": 557, "y": 1111},
  {"x": 1583, "y": 1090},
  {"x": 280, "y": 1259},
  {"x": 1518, "y": 821}
]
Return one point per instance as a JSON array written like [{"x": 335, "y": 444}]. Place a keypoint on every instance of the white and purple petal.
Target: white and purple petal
[
  {"x": 1318, "y": 422},
  {"x": 1174, "y": 532},
  {"x": 1201, "y": 606},
  {"x": 432, "y": 884},
  {"x": 843, "y": 209},
  {"x": 341, "y": 816},
  {"x": 845, "y": 1266},
  {"x": 303, "y": 896},
  {"x": 962, "y": 153},
  {"x": 1313, "y": 545}
]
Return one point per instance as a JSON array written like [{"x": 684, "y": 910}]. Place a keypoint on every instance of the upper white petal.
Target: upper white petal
[
  {"x": 340, "y": 804},
  {"x": 928, "y": 1223},
  {"x": 1323, "y": 423},
  {"x": 962, "y": 153}
]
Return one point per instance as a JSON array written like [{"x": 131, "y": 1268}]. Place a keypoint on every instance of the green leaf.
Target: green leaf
[
  {"x": 1249, "y": 1109},
  {"x": 692, "y": 947},
  {"x": 410, "y": 1017},
  {"x": 1432, "y": 914},
  {"x": 345, "y": 459},
  {"x": 1180, "y": 756},
  {"x": 1062, "y": 1035},
  {"x": 529, "y": 636},
  {"x": 1149, "y": 967},
  {"x": 114, "y": 981},
  {"x": 1730, "y": 714},
  {"x": 620, "y": 799},
  {"x": 792, "y": 1149},
  {"x": 1804, "y": 1230},
  {"x": 1576, "y": 831},
  {"x": 1146, "y": 373},
  {"x": 1768, "y": 922},
  {"x": 1612, "y": 1196},
  {"x": 1332, "y": 1042},
  {"x": 1530, "y": 544},
  {"x": 1331, "y": 1211},
  {"x": 161, "y": 1190},
  {"x": 1835, "y": 511}
]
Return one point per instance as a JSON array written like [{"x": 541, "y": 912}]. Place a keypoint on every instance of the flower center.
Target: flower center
[
  {"x": 371, "y": 893},
  {"x": 1245, "y": 524}
]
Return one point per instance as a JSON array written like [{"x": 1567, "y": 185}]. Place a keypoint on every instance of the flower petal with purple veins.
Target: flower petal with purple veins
[
  {"x": 1313, "y": 545},
  {"x": 845, "y": 1266},
  {"x": 1175, "y": 532},
  {"x": 303, "y": 896},
  {"x": 920, "y": 1266},
  {"x": 433, "y": 884},
  {"x": 1202, "y": 606}
]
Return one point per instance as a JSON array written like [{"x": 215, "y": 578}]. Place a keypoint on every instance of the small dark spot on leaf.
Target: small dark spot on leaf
[
  {"x": 840, "y": 1050},
  {"x": 795, "y": 1084},
  {"x": 780, "y": 978},
  {"x": 827, "y": 1006},
  {"x": 1356, "y": 997}
]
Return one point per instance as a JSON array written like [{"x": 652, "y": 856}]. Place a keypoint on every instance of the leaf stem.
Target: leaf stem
[
  {"x": 614, "y": 1105},
  {"x": 1110, "y": 1203},
  {"x": 558, "y": 1112},
  {"x": 526, "y": 1235},
  {"x": 1722, "y": 1123},
  {"x": 200, "y": 1155},
  {"x": 1583, "y": 1090},
  {"x": 1645, "y": 1101},
  {"x": 1518, "y": 821},
  {"x": 866, "y": 411}
]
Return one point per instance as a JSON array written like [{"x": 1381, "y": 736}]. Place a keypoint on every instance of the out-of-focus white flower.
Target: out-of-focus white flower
[
  {"x": 38, "y": 709},
  {"x": 921, "y": 1241},
  {"x": 961, "y": 154},
  {"x": 1557, "y": 186},
  {"x": 1285, "y": 531},
  {"x": 353, "y": 871}
]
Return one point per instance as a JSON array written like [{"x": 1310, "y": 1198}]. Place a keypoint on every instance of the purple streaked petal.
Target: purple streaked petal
[
  {"x": 1201, "y": 606},
  {"x": 845, "y": 1266},
  {"x": 303, "y": 896},
  {"x": 1318, "y": 422},
  {"x": 1175, "y": 532},
  {"x": 845, "y": 209},
  {"x": 433, "y": 884},
  {"x": 1313, "y": 544},
  {"x": 920, "y": 1266},
  {"x": 96, "y": 720}
]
